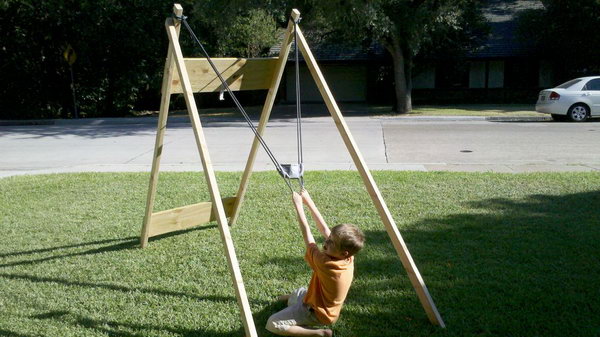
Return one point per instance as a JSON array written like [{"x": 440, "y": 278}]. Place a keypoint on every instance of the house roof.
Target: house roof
[
  {"x": 337, "y": 52},
  {"x": 502, "y": 40},
  {"x": 502, "y": 18}
]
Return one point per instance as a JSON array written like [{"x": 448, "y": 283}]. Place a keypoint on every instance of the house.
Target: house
[
  {"x": 504, "y": 69},
  {"x": 350, "y": 72}
]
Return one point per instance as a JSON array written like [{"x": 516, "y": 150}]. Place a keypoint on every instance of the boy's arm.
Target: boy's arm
[
  {"x": 316, "y": 215},
  {"x": 304, "y": 228}
]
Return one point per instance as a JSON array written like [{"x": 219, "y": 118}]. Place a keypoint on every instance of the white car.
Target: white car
[{"x": 576, "y": 100}]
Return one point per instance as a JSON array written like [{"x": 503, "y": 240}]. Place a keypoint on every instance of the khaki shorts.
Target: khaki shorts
[{"x": 297, "y": 313}]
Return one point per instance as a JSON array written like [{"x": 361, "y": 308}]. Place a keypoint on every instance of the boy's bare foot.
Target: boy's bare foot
[{"x": 327, "y": 333}]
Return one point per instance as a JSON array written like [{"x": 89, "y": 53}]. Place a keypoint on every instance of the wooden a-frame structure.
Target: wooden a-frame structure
[{"x": 190, "y": 75}]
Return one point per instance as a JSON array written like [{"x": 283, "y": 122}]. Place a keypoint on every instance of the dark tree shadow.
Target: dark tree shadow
[
  {"x": 504, "y": 267},
  {"x": 261, "y": 317},
  {"x": 56, "y": 248},
  {"x": 9, "y": 333},
  {"x": 120, "y": 288},
  {"x": 129, "y": 244},
  {"x": 115, "y": 328},
  {"x": 509, "y": 267},
  {"x": 122, "y": 244}
]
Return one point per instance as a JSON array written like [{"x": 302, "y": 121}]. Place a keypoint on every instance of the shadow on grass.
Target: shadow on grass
[
  {"x": 9, "y": 333},
  {"x": 182, "y": 232},
  {"x": 505, "y": 267},
  {"x": 52, "y": 249},
  {"x": 122, "y": 244},
  {"x": 108, "y": 286},
  {"x": 508, "y": 267},
  {"x": 261, "y": 317},
  {"x": 115, "y": 328},
  {"x": 388, "y": 273},
  {"x": 129, "y": 243}
]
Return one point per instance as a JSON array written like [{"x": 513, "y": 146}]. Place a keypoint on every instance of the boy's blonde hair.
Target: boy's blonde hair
[{"x": 347, "y": 237}]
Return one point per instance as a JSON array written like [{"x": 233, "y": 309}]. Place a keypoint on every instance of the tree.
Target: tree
[
  {"x": 567, "y": 36},
  {"x": 120, "y": 50},
  {"x": 236, "y": 28},
  {"x": 406, "y": 28},
  {"x": 248, "y": 35}
]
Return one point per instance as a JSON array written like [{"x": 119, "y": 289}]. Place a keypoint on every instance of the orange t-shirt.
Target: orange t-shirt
[{"x": 329, "y": 285}]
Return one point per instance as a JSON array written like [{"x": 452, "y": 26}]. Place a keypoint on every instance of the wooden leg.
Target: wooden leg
[
  {"x": 384, "y": 213},
  {"x": 238, "y": 283},
  {"x": 264, "y": 118},
  {"x": 158, "y": 144}
]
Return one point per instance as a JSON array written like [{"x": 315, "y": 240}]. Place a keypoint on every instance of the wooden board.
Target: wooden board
[
  {"x": 401, "y": 249},
  {"x": 239, "y": 73},
  {"x": 213, "y": 188},
  {"x": 184, "y": 217},
  {"x": 168, "y": 71}
]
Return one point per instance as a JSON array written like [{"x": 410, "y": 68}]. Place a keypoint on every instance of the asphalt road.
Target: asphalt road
[{"x": 393, "y": 143}]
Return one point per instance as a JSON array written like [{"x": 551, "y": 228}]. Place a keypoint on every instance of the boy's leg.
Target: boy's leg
[
  {"x": 293, "y": 297},
  {"x": 301, "y": 331},
  {"x": 292, "y": 320},
  {"x": 283, "y": 298}
]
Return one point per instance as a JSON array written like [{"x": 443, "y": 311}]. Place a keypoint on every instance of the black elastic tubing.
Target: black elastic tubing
[
  {"x": 235, "y": 100},
  {"x": 298, "y": 106}
]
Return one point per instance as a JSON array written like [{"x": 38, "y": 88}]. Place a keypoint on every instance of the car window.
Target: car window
[
  {"x": 592, "y": 85},
  {"x": 568, "y": 84}
]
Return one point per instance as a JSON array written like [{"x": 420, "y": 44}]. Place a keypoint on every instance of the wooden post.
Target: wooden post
[
  {"x": 384, "y": 213},
  {"x": 265, "y": 114},
  {"x": 160, "y": 130},
  {"x": 238, "y": 283}
]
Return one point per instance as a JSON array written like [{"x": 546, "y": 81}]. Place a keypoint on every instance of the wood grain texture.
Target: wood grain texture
[{"x": 239, "y": 73}]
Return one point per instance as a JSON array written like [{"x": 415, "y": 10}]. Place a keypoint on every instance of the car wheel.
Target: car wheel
[
  {"x": 578, "y": 113},
  {"x": 558, "y": 118}
]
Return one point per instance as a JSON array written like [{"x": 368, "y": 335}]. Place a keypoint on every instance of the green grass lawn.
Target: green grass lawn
[
  {"x": 501, "y": 254},
  {"x": 491, "y": 110}
]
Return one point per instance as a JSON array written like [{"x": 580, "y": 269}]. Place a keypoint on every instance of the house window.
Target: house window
[
  {"x": 477, "y": 75},
  {"x": 521, "y": 74},
  {"x": 496, "y": 74},
  {"x": 424, "y": 79},
  {"x": 452, "y": 75}
]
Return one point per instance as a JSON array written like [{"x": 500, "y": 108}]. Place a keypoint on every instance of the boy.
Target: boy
[{"x": 333, "y": 269}]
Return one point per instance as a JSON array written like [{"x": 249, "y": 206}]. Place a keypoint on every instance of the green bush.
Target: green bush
[{"x": 120, "y": 48}]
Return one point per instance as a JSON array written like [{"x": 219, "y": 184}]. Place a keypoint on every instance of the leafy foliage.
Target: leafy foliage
[
  {"x": 120, "y": 49},
  {"x": 567, "y": 35},
  {"x": 119, "y": 46},
  {"x": 408, "y": 29},
  {"x": 249, "y": 35},
  {"x": 239, "y": 30}
]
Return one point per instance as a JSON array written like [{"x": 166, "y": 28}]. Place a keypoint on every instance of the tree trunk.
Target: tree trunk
[
  {"x": 408, "y": 71},
  {"x": 402, "y": 82}
]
